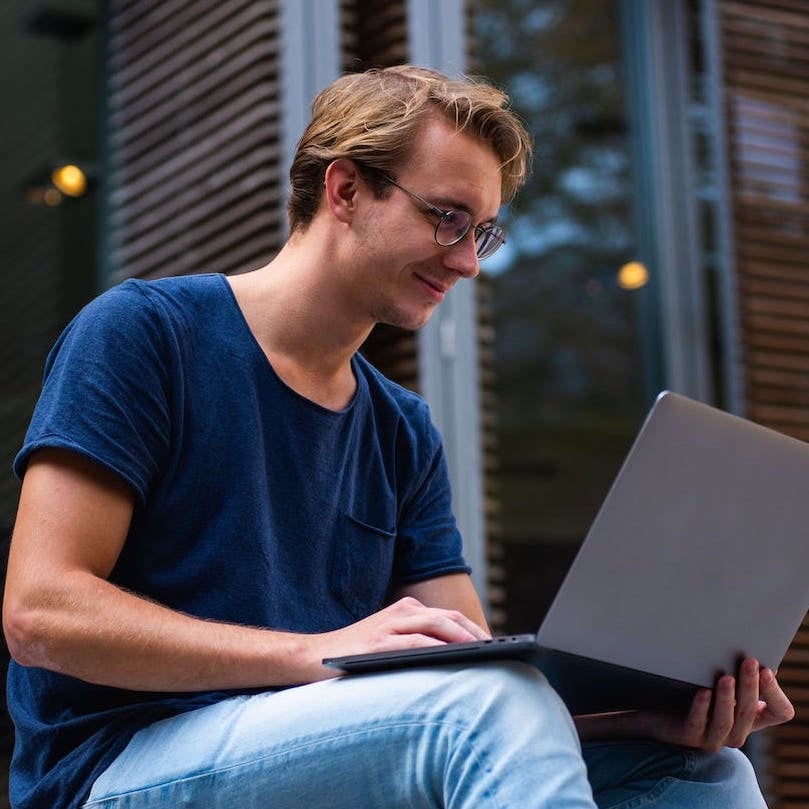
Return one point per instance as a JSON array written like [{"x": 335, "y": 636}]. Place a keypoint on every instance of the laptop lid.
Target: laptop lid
[{"x": 699, "y": 553}]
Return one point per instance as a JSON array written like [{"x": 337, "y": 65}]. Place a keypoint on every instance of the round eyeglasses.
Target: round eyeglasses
[{"x": 452, "y": 226}]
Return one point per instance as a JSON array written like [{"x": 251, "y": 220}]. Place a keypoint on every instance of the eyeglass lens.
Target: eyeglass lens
[
  {"x": 487, "y": 240},
  {"x": 454, "y": 225}
]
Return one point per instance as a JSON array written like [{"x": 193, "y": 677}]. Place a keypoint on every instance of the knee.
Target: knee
[
  {"x": 474, "y": 727},
  {"x": 507, "y": 681},
  {"x": 734, "y": 778},
  {"x": 511, "y": 694},
  {"x": 728, "y": 775}
]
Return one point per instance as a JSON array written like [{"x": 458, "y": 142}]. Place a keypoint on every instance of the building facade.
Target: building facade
[{"x": 671, "y": 142}]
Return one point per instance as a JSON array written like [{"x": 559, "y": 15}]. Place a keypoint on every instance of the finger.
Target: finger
[
  {"x": 408, "y": 616},
  {"x": 722, "y": 715},
  {"x": 696, "y": 723},
  {"x": 453, "y": 627},
  {"x": 778, "y": 708},
  {"x": 476, "y": 631},
  {"x": 415, "y": 641},
  {"x": 411, "y": 606},
  {"x": 747, "y": 703}
]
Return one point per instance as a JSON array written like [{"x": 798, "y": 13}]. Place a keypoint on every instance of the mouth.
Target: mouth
[{"x": 435, "y": 289}]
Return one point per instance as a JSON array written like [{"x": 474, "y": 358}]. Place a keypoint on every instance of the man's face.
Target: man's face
[{"x": 407, "y": 274}]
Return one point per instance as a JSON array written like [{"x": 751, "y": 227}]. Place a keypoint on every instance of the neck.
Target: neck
[{"x": 294, "y": 307}]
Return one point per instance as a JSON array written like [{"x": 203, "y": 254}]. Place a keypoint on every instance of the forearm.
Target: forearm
[
  {"x": 88, "y": 628},
  {"x": 93, "y": 630}
]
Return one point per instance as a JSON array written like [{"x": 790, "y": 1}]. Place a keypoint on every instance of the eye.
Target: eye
[{"x": 454, "y": 225}]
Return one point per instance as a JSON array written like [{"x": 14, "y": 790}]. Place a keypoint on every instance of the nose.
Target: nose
[{"x": 462, "y": 257}]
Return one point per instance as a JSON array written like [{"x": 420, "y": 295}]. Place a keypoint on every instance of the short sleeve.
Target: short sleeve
[
  {"x": 428, "y": 542},
  {"x": 105, "y": 389}
]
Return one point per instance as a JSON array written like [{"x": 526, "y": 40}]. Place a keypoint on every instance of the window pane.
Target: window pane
[{"x": 569, "y": 341}]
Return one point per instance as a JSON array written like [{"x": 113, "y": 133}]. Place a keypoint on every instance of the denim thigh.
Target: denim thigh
[
  {"x": 483, "y": 737},
  {"x": 638, "y": 773}
]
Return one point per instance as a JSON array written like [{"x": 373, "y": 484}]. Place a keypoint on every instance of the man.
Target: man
[{"x": 219, "y": 492}]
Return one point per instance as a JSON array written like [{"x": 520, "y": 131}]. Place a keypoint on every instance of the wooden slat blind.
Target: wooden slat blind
[
  {"x": 766, "y": 67},
  {"x": 193, "y": 128},
  {"x": 374, "y": 33},
  {"x": 497, "y": 593}
]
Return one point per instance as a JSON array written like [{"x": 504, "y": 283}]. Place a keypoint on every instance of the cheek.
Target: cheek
[
  {"x": 393, "y": 235},
  {"x": 391, "y": 239}
]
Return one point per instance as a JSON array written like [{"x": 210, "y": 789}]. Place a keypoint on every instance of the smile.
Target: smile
[{"x": 437, "y": 289}]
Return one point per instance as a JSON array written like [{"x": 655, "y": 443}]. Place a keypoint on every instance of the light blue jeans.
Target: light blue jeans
[{"x": 494, "y": 736}]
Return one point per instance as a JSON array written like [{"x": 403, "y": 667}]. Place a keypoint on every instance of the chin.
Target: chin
[
  {"x": 414, "y": 323},
  {"x": 407, "y": 320}
]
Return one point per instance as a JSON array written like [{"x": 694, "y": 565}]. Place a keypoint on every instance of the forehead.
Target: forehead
[{"x": 453, "y": 165}]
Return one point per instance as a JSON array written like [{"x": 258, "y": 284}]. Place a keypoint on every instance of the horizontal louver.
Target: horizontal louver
[
  {"x": 374, "y": 33},
  {"x": 193, "y": 126},
  {"x": 766, "y": 66}
]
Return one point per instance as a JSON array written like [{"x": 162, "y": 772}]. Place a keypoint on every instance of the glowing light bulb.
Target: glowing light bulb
[
  {"x": 633, "y": 275},
  {"x": 70, "y": 180}
]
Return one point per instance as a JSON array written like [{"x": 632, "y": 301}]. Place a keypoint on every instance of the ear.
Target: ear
[{"x": 342, "y": 184}]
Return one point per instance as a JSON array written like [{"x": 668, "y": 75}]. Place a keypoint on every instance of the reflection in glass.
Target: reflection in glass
[{"x": 569, "y": 390}]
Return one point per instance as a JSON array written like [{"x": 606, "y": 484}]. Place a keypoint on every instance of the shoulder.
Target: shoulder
[
  {"x": 166, "y": 296},
  {"x": 134, "y": 331},
  {"x": 384, "y": 392},
  {"x": 176, "y": 290},
  {"x": 401, "y": 416},
  {"x": 136, "y": 309}
]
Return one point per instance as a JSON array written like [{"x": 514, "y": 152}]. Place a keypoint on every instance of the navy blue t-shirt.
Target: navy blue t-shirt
[{"x": 253, "y": 504}]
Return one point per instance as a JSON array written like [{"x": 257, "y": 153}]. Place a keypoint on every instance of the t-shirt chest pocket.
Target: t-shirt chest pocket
[{"x": 362, "y": 562}]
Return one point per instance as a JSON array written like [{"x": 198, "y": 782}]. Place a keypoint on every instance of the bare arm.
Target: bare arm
[{"x": 61, "y": 613}]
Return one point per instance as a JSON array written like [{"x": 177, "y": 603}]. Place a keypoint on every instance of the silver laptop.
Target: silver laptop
[{"x": 698, "y": 557}]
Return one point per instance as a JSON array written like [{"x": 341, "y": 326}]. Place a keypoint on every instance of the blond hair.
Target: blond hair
[{"x": 373, "y": 117}]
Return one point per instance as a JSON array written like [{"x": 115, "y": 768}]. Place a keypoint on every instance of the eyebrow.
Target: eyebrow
[
  {"x": 454, "y": 204},
  {"x": 448, "y": 204}
]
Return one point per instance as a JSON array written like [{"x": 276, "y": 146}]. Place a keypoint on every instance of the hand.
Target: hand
[
  {"x": 726, "y": 716},
  {"x": 405, "y": 624}
]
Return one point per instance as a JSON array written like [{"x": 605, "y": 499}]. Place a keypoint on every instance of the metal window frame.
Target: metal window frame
[
  {"x": 310, "y": 59},
  {"x": 723, "y": 236},
  {"x": 656, "y": 48}
]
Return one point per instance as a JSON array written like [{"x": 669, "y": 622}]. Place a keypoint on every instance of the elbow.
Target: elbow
[{"x": 21, "y": 627}]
